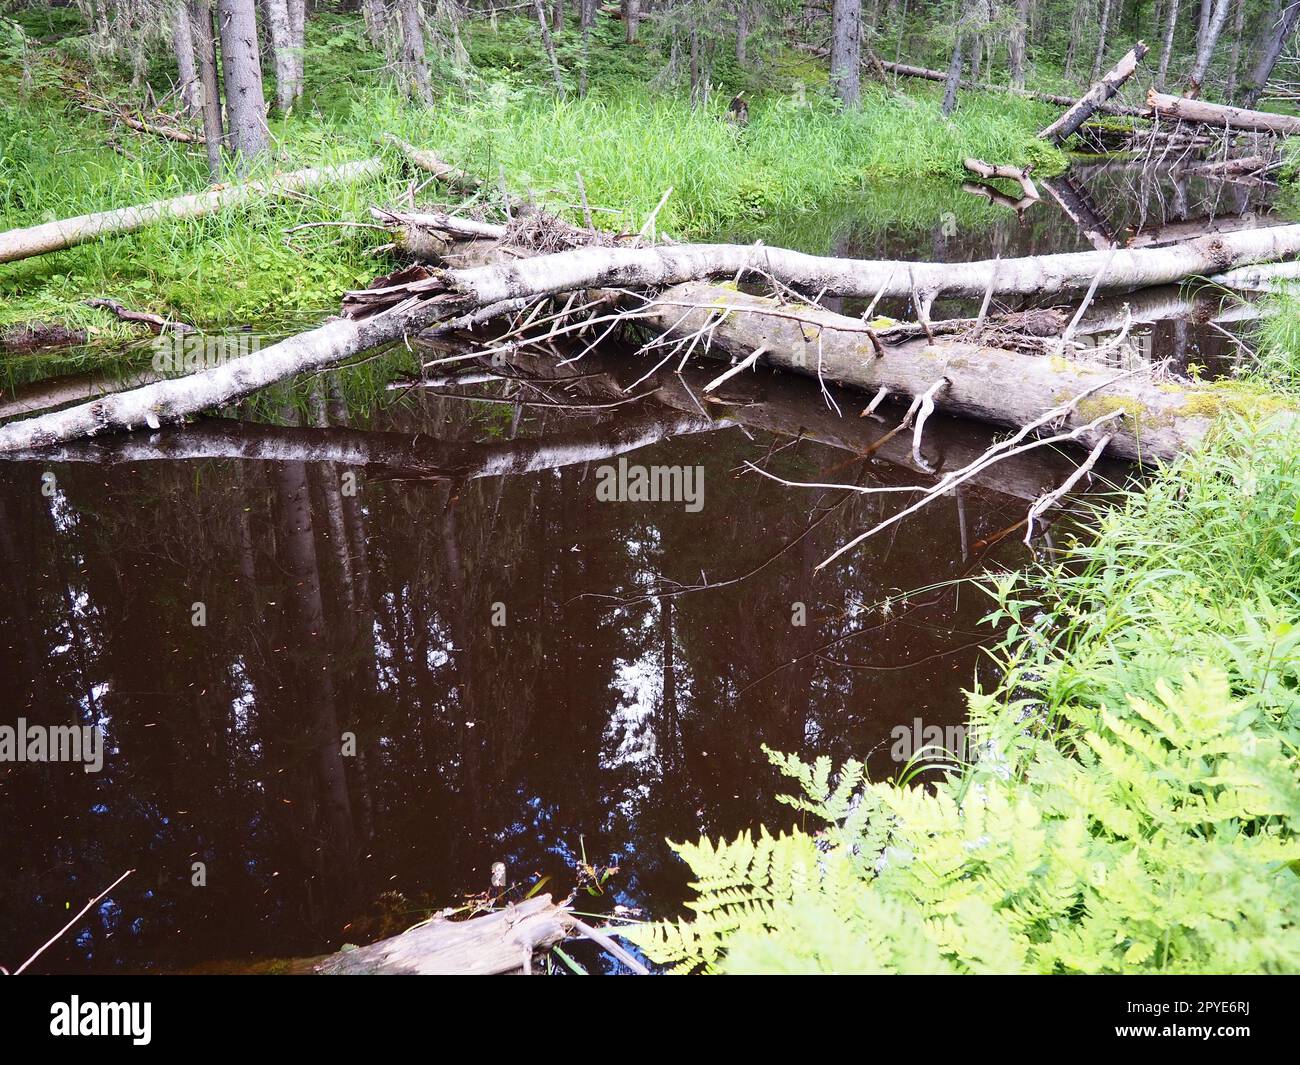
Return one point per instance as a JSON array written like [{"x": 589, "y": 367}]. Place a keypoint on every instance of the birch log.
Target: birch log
[
  {"x": 604, "y": 267},
  {"x": 1181, "y": 109},
  {"x": 1099, "y": 94},
  {"x": 68, "y": 232},
  {"x": 1158, "y": 420},
  {"x": 176, "y": 399}
]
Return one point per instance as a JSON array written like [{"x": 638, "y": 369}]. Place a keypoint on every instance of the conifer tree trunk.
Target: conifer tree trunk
[
  {"x": 375, "y": 17},
  {"x": 214, "y": 136},
  {"x": 186, "y": 71},
  {"x": 241, "y": 68},
  {"x": 1016, "y": 46},
  {"x": 846, "y": 41},
  {"x": 548, "y": 43},
  {"x": 954, "y": 75},
  {"x": 1234, "y": 60},
  {"x": 1101, "y": 39},
  {"x": 414, "y": 59},
  {"x": 297, "y": 42}
]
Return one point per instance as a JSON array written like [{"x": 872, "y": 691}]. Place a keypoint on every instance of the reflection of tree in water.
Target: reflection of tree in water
[{"x": 618, "y": 721}]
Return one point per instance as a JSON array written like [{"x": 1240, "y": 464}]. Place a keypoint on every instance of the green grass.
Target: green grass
[{"x": 500, "y": 117}]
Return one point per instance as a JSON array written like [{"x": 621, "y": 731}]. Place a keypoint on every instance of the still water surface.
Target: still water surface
[{"x": 532, "y": 675}]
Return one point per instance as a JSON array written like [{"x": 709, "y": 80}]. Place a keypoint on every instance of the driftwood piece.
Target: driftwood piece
[
  {"x": 1182, "y": 109},
  {"x": 155, "y": 323},
  {"x": 66, "y": 233},
  {"x": 1109, "y": 85},
  {"x": 489, "y": 945},
  {"x": 1003, "y": 170}
]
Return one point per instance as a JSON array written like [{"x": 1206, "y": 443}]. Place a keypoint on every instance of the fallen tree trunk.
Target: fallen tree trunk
[
  {"x": 1181, "y": 109},
  {"x": 41, "y": 395},
  {"x": 475, "y": 295},
  {"x": 140, "y": 126},
  {"x": 489, "y": 945},
  {"x": 1153, "y": 420},
  {"x": 908, "y": 71},
  {"x": 1249, "y": 165},
  {"x": 38, "y": 336},
  {"x": 1192, "y": 228},
  {"x": 176, "y": 399},
  {"x": 1109, "y": 85},
  {"x": 605, "y": 267},
  {"x": 68, "y": 232}
]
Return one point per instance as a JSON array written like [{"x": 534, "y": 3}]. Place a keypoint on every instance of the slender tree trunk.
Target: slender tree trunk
[
  {"x": 281, "y": 34},
  {"x": 1167, "y": 46},
  {"x": 742, "y": 32},
  {"x": 1016, "y": 47},
  {"x": 414, "y": 60},
  {"x": 1234, "y": 60},
  {"x": 631, "y": 18},
  {"x": 242, "y": 72},
  {"x": 375, "y": 17},
  {"x": 1101, "y": 39},
  {"x": 902, "y": 31},
  {"x": 214, "y": 136},
  {"x": 548, "y": 43},
  {"x": 186, "y": 72},
  {"x": 586, "y": 16},
  {"x": 297, "y": 43},
  {"x": 557, "y": 15},
  {"x": 954, "y": 75},
  {"x": 1282, "y": 30},
  {"x": 1205, "y": 51},
  {"x": 846, "y": 42}
]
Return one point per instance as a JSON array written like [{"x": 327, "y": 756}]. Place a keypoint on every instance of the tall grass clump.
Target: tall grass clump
[{"x": 499, "y": 118}]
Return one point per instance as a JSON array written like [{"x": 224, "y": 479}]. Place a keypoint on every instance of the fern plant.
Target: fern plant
[{"x": 1134, "y": 803}]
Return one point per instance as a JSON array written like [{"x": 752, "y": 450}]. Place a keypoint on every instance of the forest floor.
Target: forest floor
[{"x": 504, "y": 120}]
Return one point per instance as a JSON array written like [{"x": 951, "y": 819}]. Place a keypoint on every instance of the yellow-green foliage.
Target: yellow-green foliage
[{"x": 1131, "y": 805}]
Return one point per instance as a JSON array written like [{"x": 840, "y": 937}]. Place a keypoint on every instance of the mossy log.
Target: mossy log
[{"x": 1158, "y": 418}]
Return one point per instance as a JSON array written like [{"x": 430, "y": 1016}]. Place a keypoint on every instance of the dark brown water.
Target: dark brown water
[{"x": 428, "y": 643}]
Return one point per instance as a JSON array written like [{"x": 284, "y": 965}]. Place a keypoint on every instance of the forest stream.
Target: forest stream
[{"x": 534, "y": 675}]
